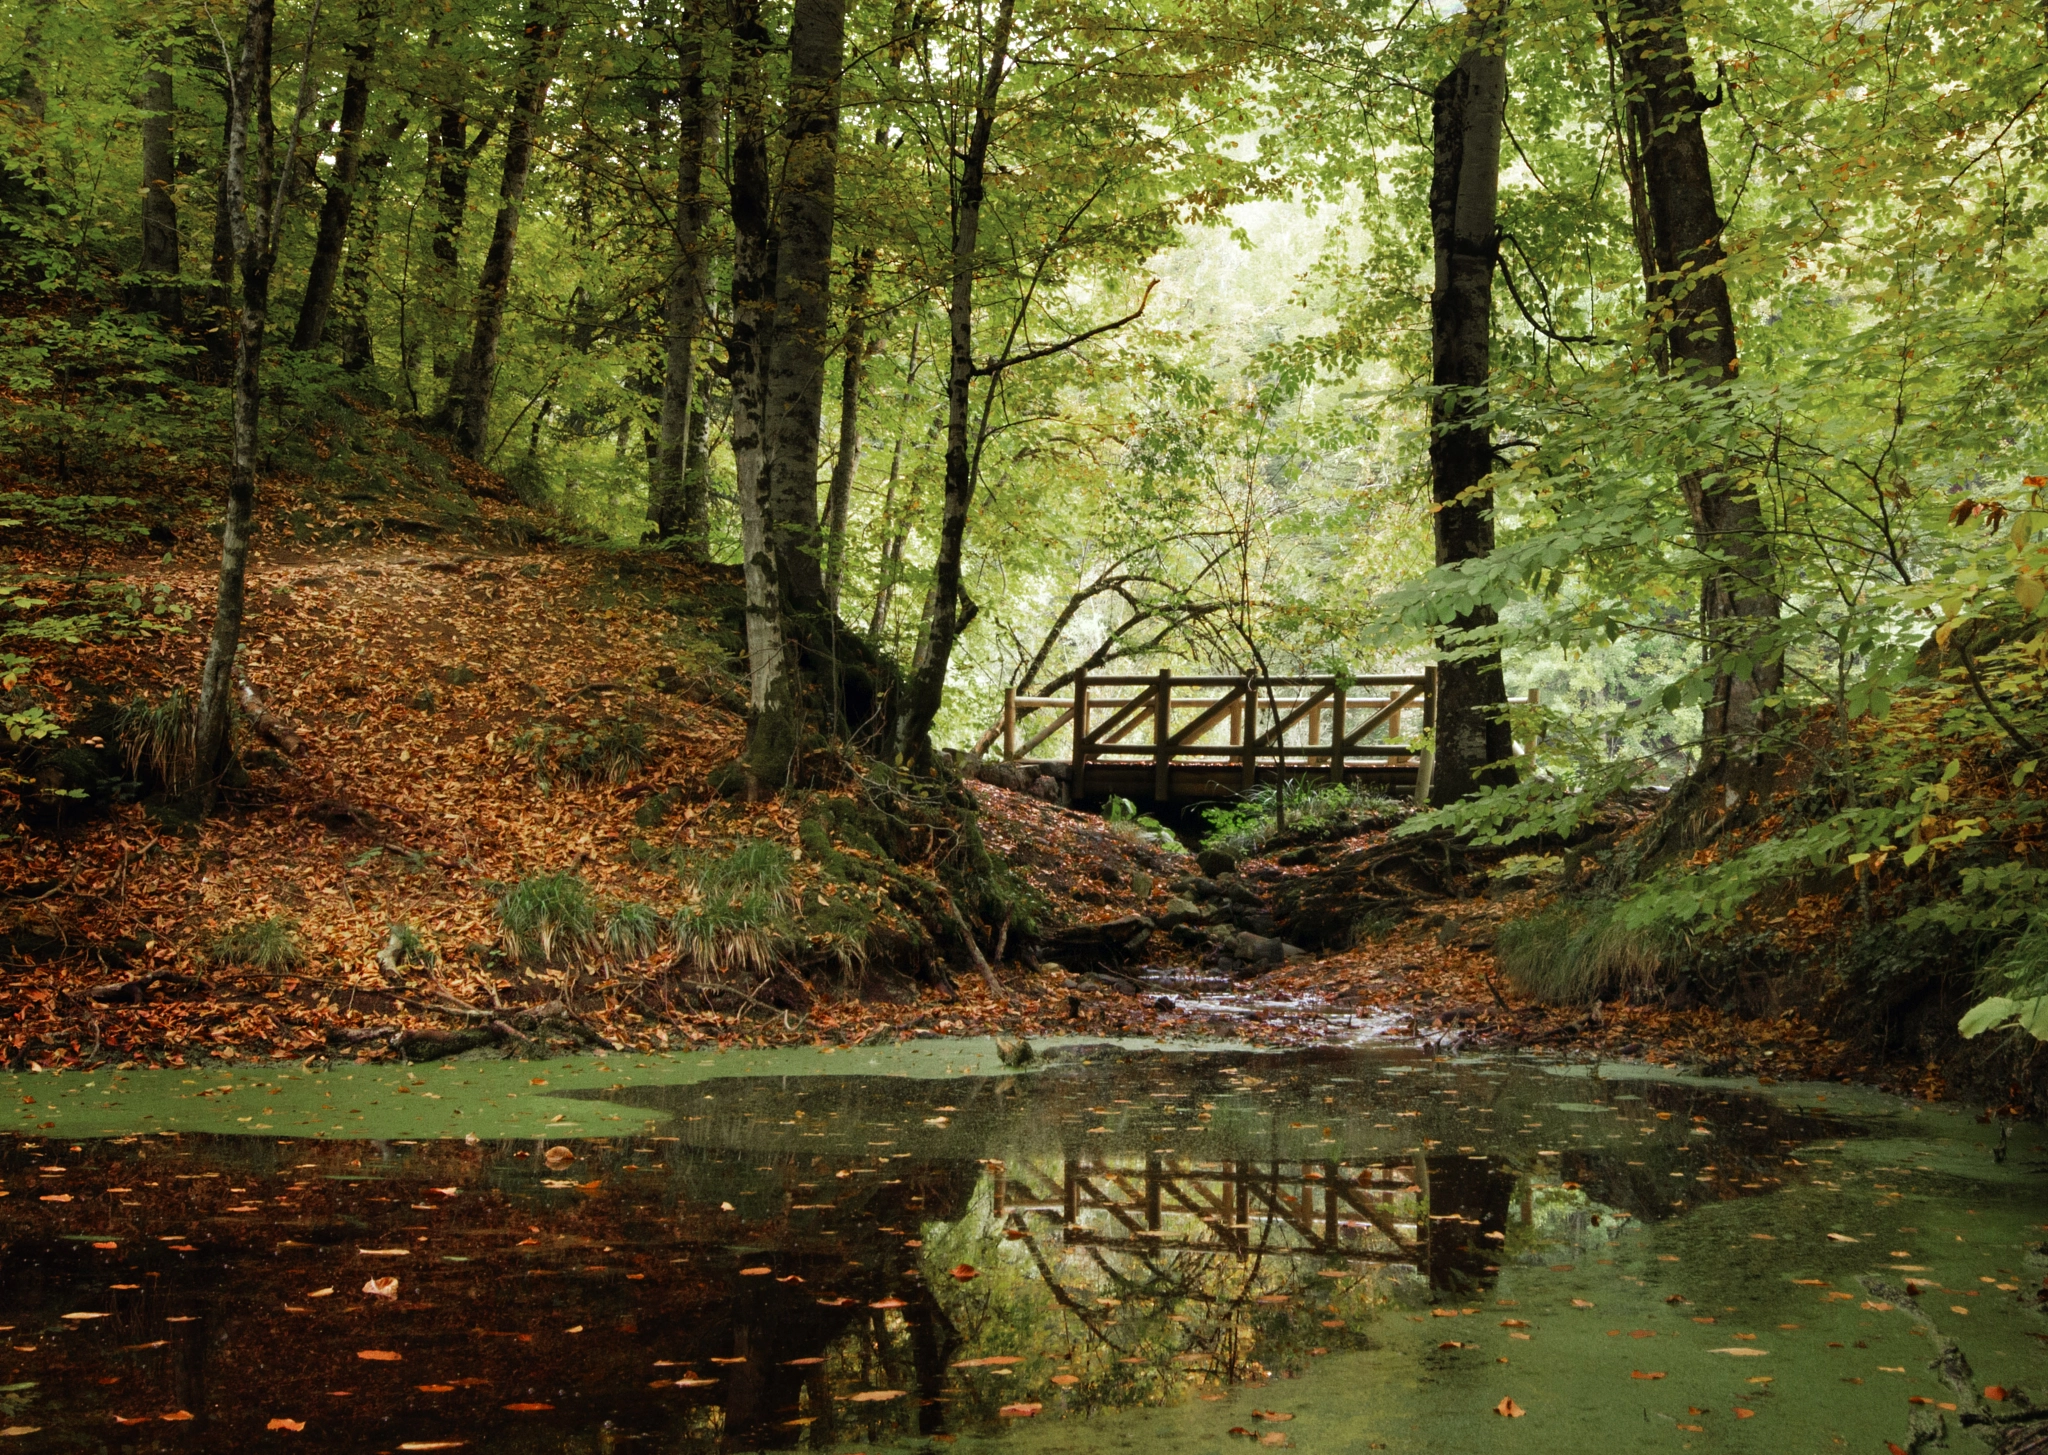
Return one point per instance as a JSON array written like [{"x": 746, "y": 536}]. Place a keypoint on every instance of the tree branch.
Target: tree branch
[{"x": 996, "y": 366}]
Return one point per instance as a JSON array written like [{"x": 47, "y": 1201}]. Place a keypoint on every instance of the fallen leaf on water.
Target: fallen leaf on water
[
  {"x": 1274, "y": 1415},
  {"x": 1743, "y": 1414},
  {"x": 84, "y": 1316},
  {"x": 445, "y": 1191},
  {"x": 283, "y": 1424},
  {"x": 1696, "y": 1429},
  {"x": 1840, "y": 1238},
  {"x": 1066, "y": 1379},
  {"x": 1509, "y": 1408},
  {"x": 382, "y": 1288},
  {"x": 138, "y": 1420},
  {"x": 1020, "y": 1411},
  {"x": 873, "y": 1396},
  {"x": 528, "y": 1406},
  {"x": 989, "y": 1361},
  {"x": 1994, "y": 1392},
  {"x": 383, "y": 1356},
  {"x": 13, "y": 1430},
  {"x": 780, "y": 1278},
  {"x": 321, "y": 1293},
  {"x": 106, "y": 1247},
  {"x": 1514, "y": 1323},
  {"x": 433, "y": 1444},
  {"x": 576, "y": 1330},
  {"x": 384, "y": 1252},
  {"x": 812, "y": 1359},
  {"x": 176, "y": 1415},
  {"x": 1450, "y": 1344},
  {"x": 887, "y": 1303},
  {"x": 965, "y": 1271},
  {"x": 1580, "y": 1303},
  {"x": 755, "y": 1272},
  {"x": 558, "y": 1157},
  {"x": 1741, "y": 1353},
  {"x": 435, "y": 1388},
  {"x": 152, "y": 1344},
  {"x": 728, "y": 1359},
  {"x": 694, "y": 1383},
  {"x": 1652, "y": 1374},
  {"x": 1240, "y": 1430},
  {"x": 1276, "y": 1438},
  {"x": 56, "y": 1197}
]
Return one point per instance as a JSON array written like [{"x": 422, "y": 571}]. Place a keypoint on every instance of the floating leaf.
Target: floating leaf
[
  {"x": 175, "y": 1416},
  {"x": 989, "y": 1361},
  {"x": 558, "y": 1157},
  {"x": 875, "y": 1396},
  {"x": 1652, "y": 1374},
  {"x": 380, "y": 1356},
  {"x": 965, "y": 1271},
  {"x": 888, "y": 1303},
  {"x": 294, "y": 1426},
  {"x": 82, "y": 1317},
  {"x": 1741, "y": 1353},
  {"x": 755, "y": 1272},
  {"x": 1510, "y": 1409},
  {"x": 382, "y": 1288},
  {"x": 1020, "y": 1411},
  {"x": 528, "y": 1406},
  {"x": 433, "y": 1444},
  {"x": 1840, "y": 1238}
]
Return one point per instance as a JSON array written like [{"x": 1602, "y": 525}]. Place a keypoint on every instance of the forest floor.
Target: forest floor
[{"x": 453, "y": 696}]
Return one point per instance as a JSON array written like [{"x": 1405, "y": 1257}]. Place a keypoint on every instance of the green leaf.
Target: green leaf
[{"x": 2030, "y": 1015}]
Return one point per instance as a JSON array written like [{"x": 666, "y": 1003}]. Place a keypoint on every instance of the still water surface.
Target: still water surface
[{"x": 914, "y": 1249}]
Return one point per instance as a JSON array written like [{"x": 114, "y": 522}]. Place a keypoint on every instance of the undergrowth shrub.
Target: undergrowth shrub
[
  {"x": 1248, "y": 825},
  {"x": 271, "y": 944},
  {"x": 609, "y": 750},
  {"x": 739, "y": 907},
  {"x": 548, "y": 918},
  {"x": 1573, "y": 952}
]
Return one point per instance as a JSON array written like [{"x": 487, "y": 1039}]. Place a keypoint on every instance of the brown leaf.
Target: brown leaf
[
  {"x": 283, "y": 1424},
  {"x": 1510, "y": 1409},
  {"x": 381, "y": 1356}
]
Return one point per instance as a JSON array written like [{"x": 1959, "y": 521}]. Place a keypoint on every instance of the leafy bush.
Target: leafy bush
[
  {"x": 547, "y": 918},
  {"x": 739, "y": 912},
  {"x": 260, "y": 944},
  {"x": 1127, "y": 822},
  {"x": 1576, "y": 952},
  {"x": 1245, "y": 827}
]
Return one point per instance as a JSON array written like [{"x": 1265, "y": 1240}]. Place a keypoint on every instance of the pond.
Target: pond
[{"x": 1124, "y": 1247}]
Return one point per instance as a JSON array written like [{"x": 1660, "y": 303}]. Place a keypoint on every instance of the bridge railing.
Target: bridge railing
[{"x": 1292, "y": 723}]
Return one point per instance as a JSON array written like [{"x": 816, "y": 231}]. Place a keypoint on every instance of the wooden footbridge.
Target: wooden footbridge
[{"x": 1168, "y": 740}]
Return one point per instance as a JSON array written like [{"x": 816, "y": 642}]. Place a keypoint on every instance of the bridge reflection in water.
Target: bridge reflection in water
[{"x": 1445, "y": 1217}]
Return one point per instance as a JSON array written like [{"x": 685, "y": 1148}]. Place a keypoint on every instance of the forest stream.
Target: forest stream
[{"x": 1122, "y": 1246}]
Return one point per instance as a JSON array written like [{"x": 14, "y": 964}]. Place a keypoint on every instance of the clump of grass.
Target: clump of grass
[
  {"x": 270, "y": 944},
  {"x": 610, "y": 750},
  {"x": 1577, "y": 952},
  {"x": 156, "y": 739},
  {"x": 548, "y": 918},
  {"x": 739, "y": 909},
  {"x": 632, "y": 930}
]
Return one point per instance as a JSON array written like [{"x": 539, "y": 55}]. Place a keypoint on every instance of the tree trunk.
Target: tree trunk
[
  {"x": 676, "y": 512},
  {"x": 840, "y": 496},
  {"x": 1690, "y": 308},
  {"x": 795, "y": 381},
  {"x": 335, "y": 211},
  {"x": 249, "y": 105},
  {"x": 160, "y": 262},
  {"x": 928, "y": 681},
  {"x": 479, "y": 373},
  {"x": 1472, "y": 733},
  {"x": 351, "y": 311},
  {"x": 890, "y": 565},
  {"x": 773, "y": 729}
]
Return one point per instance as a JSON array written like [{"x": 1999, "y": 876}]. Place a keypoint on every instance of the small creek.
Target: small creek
[{"x": 1119, "y": 1247}]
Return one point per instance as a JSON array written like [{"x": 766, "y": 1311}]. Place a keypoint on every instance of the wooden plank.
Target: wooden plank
[
  {"x": 1277, "y": 732},
  {"x": 1009, "y": 724},
  {"x": 1250, "y": 756},
  {"x": 1078, "y": 776},
  {"x": 1353, "y": 739}
]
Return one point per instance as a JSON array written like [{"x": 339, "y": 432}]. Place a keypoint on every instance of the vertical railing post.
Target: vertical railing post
[
  {"x": 1339, "y": 728},
  {"x": 1426, "y": 768},
  {"x": 1080, "y": 774},
  {"x": 1009, "y": 724},
  {"x": 1162, "y": 737},
  {"x": 1250, "y": 736}
]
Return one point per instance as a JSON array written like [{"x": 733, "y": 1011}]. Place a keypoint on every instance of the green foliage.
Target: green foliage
[
  {"x": 549, "y": 919},
  {"x": 1125, "y": 819},
  {"x": 738, "y": 907},
  {"x": 271, "y": 944},
  {"x": 1246, "y": 826},
  {"x": 1580, "y": 951}
]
